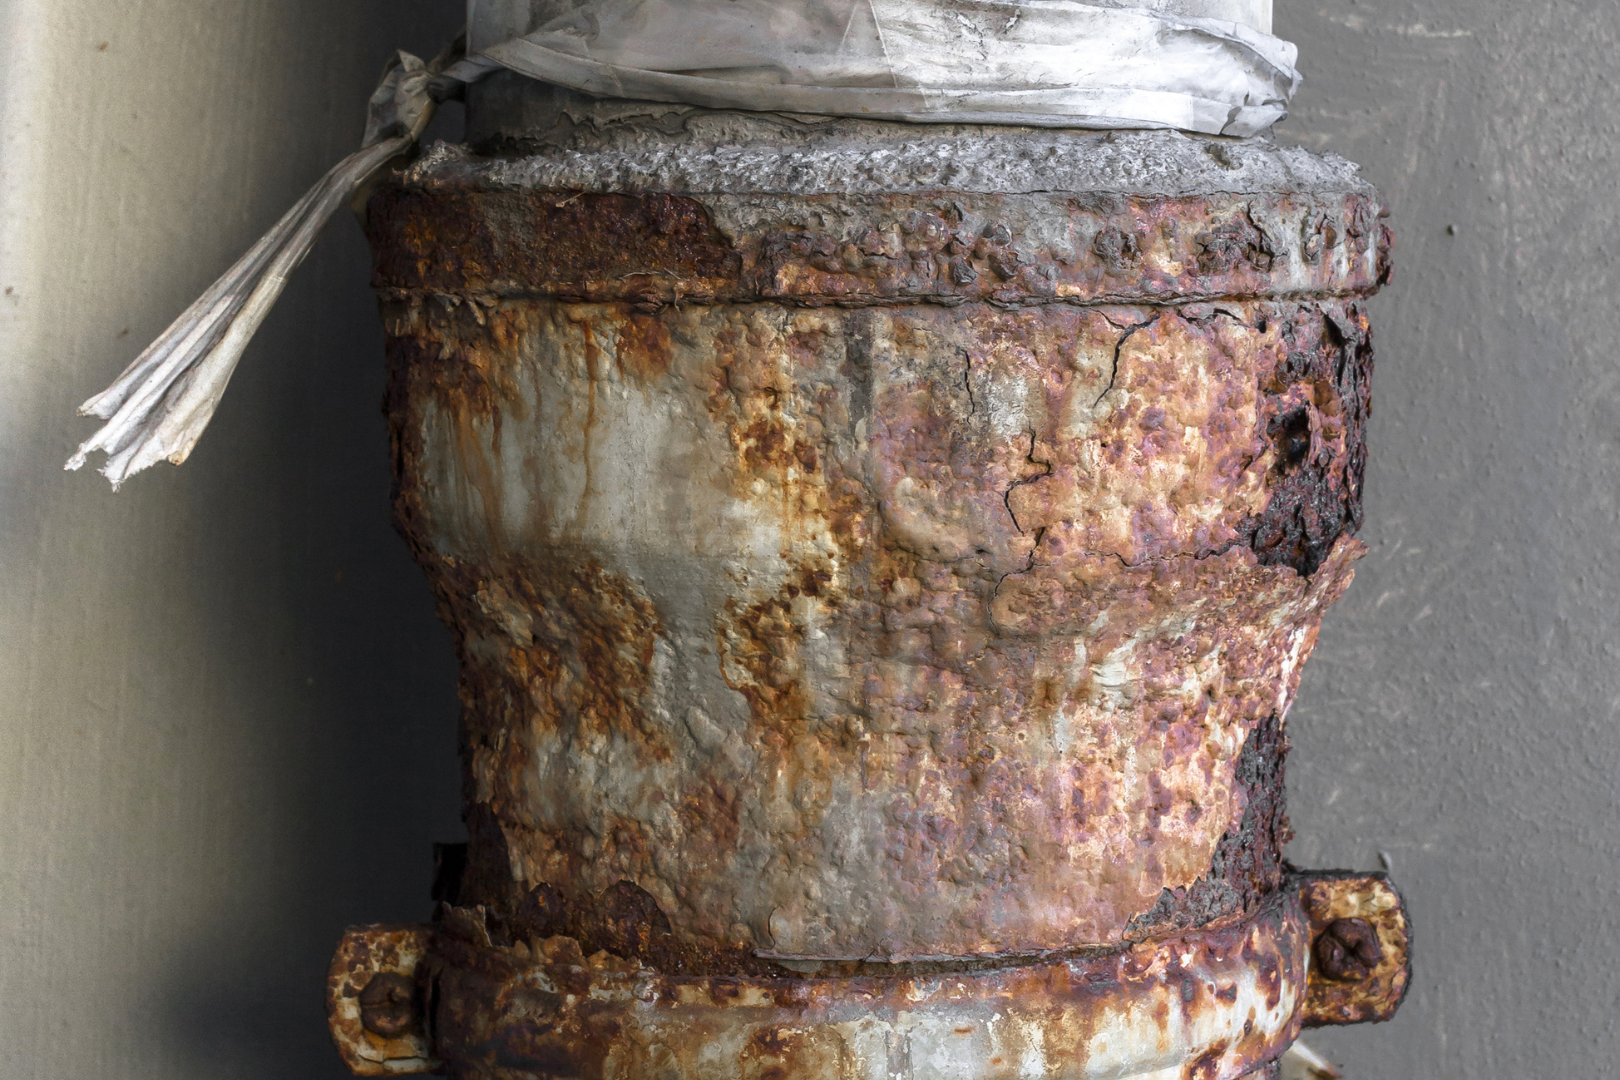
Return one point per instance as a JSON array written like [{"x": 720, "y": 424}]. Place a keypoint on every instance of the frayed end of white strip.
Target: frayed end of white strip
[{"x": 163, "y": 402}]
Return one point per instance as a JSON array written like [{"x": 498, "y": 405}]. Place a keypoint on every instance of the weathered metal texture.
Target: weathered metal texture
[
  {"x": 384, "y": 1037},
  {"x": 845, "y": 583},
  {"x": 450, "y": 233},
  {"x": 1349, "y": 913},
  {"x": 897, "y": 634},
  {"x": 1220, "y": 1002},
  {"x": 1211, "y": 1005}
]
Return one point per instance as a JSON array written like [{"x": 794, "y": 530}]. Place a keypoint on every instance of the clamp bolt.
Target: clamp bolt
[
  {"x": 1348, "y": 950},
  {"x": 388, "y": 1005}
]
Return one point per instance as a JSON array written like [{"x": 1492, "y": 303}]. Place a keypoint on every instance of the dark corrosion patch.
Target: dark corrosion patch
[
  {"x": 532, "y": 241},
  {"x": 1248, "y": 864},
  {"x": 1319, "y": 398}
]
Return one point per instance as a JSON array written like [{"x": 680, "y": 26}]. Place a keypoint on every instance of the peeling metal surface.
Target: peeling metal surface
[
  {"x": 1211, "y": 1005},
  {"x": 1346, "y": 995},
  {"x": 380, "y": 1034}
]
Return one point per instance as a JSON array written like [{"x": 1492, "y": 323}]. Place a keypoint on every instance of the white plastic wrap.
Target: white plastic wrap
[{"x": 1050, "y": 63}]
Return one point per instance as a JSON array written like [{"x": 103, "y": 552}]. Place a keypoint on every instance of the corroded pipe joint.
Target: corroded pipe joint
[{"x": 881, "y": 561}]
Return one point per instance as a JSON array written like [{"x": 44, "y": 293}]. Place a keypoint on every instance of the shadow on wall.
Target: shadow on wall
[
  {"x": 356, "y": 766},
  {"x": 238, "y": 735}
]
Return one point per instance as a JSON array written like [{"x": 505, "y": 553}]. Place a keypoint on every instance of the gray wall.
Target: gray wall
[
  {"x": 1460, "y": 713},
  {"x": 227, "y": 720}
]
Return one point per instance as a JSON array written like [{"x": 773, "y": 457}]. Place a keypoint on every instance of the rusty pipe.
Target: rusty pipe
[{"x": 881, "y": 561}]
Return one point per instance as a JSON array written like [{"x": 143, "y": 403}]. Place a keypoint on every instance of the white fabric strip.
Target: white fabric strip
[{"x": 160, "y": 406}]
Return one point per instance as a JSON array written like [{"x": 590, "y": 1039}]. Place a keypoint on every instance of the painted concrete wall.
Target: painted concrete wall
[
  {"x": 1461, "y": 712},
  {"x": 226, "y": 710}
]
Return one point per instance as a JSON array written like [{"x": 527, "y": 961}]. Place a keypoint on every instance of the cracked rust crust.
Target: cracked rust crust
[
  {"x": 450, "y": 237},
  {"x": 900, "y": 634}
]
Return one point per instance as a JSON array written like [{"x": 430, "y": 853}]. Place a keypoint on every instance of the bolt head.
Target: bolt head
[
  {"x": 388, "y": 1005},
  {"x": 1348, "y": 950}
]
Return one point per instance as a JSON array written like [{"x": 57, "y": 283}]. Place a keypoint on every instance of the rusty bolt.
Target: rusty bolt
[
  {"x": 388, "y": 1005},
  {"x": 1348, "y": 950}
]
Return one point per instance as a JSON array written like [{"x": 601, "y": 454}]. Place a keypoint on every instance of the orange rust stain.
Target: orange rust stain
[
  {"x": 643, "y": 351},
  {"x": 761, "y": 642},
  {"x": 467, "y": 352}
]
